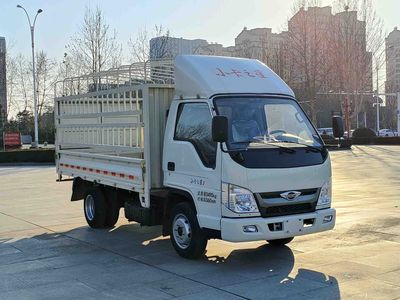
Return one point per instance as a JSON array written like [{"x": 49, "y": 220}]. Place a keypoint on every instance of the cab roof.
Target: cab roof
[{"x": 202, "y": 76}]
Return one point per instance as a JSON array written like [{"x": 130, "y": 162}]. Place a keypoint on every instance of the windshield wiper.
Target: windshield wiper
[
  {"x": 312, "y": 148},
  {"x": 286, "y": 149}
]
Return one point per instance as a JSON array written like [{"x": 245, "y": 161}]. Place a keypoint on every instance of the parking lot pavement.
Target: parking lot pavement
[{"x": 48, "y": 251}]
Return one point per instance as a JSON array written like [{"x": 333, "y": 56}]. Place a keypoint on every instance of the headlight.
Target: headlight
[
  {"x": 240, "y": 200},
  {"x": 325, "y": 196}
]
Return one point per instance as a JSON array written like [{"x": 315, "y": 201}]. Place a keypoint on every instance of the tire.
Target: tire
[
  {"x": 280, "y": 242},
  {"x": 95, "y": 208},
  {"x": 186, "y": 235},
  {"x": 112, "y": 214}
]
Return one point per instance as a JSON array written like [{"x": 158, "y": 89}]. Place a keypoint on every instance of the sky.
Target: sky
[{"x": 214, "y": 20}]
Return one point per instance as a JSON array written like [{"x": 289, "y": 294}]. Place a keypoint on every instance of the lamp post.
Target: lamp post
[
  {"x": 32, "y": 28},
  {"x": 378, "y": 104}
]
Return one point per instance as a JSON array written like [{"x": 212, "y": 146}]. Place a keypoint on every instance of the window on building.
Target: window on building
[{"x": 194, "y": 126}]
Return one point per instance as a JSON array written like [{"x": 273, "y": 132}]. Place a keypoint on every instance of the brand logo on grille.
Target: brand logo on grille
[{"x": 291, "y": 195}]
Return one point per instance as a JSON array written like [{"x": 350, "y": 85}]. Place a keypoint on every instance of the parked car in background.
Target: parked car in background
[
  {"x": 387, "y": 132},
  {"x": 327, "y": 131}
]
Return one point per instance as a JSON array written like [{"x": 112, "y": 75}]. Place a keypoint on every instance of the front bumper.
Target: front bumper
[{"x": 277, "y": 227}]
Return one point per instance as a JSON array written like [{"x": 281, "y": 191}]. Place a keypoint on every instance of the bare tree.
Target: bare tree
[
  {"x": 24, "y": 84},
  {"x": 248, "y": 49},
  {"x": 143, "y": 47},
  {"x": 94, "y": 47},
  {"x": 47, "y": 74},
  {"x": 11, "y": 81},
  {"x": 358, "y": 43},
  {"x": 19, "y": 83},
  {"x": 276, "y": 56},
  {"x": 307, "y": 46}
]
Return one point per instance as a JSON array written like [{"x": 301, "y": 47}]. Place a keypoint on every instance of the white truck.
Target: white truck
[{"x": 206, "y": 146}]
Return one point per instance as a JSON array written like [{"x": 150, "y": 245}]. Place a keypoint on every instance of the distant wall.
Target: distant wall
[{"x": 28, "y": 156}]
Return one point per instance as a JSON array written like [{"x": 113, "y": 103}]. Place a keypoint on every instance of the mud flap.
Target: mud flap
[{"x": 79, "y": 188}]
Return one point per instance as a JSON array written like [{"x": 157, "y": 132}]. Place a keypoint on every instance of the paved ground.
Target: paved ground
[{"x": 47, "y": 251}]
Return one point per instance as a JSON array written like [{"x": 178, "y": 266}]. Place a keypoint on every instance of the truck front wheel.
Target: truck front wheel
[
  {"x": 186, "y": 235},
  {"x": 280, "y": 242},
  {"x": 95, "y": 208}
]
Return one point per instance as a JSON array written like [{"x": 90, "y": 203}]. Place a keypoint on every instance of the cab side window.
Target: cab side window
[{"x": 194, "y": 126}]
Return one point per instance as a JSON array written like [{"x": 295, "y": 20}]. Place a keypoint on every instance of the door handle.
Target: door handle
[{"x": 171, "y": 166}]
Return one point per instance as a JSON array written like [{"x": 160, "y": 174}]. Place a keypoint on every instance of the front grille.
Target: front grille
[
  {"x": 278, "y": 194},
  {"x": 276, "y": 211},
  {"x": 271, "y": 204}
]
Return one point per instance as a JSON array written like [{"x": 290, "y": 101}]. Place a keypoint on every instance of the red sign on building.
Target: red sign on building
[{"x": 12, "y": 139}]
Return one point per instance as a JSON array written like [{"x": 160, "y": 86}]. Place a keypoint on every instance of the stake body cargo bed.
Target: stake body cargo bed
[{"x": 110, "y": 126}]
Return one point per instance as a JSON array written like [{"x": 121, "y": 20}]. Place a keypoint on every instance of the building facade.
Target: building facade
[
  {"x": 170, "y": 47},
  {"x": 3, "y": 79},
  {"x": 266, "y": 46},
  {"x": 392, "y": 84},
  {"x": 216, "y": 49},
  {"x": 393, "y": 61}
]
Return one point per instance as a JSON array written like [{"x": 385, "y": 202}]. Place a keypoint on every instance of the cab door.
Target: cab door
[{"x": 190, "y": 160}]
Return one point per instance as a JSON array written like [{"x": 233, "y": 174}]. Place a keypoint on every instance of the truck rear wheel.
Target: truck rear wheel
[
  {"x": 186, "y": 235},
  {"x": 95, "y": 208},
  {"x": 112, "y": 214},
  {"x": 280, "y": 242}
]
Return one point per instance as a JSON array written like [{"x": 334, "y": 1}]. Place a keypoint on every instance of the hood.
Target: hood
[{"x": 275, "y": 179}]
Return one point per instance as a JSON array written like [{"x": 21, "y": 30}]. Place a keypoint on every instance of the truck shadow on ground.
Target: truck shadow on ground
[
  {"x": 233, "y": 267},
  {"x": 257, "y": 271},
  {"x": 272, "y": 269}
]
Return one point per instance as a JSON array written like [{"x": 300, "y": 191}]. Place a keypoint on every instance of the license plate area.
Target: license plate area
[
  {"x": 308, "y": 222},
  {"x": 275, "y": 226}
]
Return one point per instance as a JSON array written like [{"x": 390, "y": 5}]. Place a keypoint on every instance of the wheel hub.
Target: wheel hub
[
  {"x": 182, "y": 231},
  {"x": 89, "y": 207}
]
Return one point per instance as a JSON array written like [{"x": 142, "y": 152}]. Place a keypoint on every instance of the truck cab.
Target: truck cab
[{"x": 238, "y": 144}]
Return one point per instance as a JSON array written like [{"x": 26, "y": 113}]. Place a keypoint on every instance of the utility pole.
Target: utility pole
[
  {"x": 378, "y": 104},
  {"x": 2, "y": 123},
  {"x": 365, "y": 119},
  {"x": 66, "y": 64},
  {"x": 398, "y": 113},
  {"x": 32, "y": 29}
]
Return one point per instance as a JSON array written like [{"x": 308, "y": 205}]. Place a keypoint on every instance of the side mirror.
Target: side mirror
[
  {"x": 337, "y": 126},
  {"x": 219, "y": 129}
]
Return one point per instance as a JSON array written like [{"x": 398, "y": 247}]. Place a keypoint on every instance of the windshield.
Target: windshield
[{"x": 266, "y": 120}]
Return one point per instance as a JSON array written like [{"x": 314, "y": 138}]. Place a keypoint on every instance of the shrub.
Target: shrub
[
  {"x": 363, "y": 133},
  {"x": 387, "y": 140}
]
